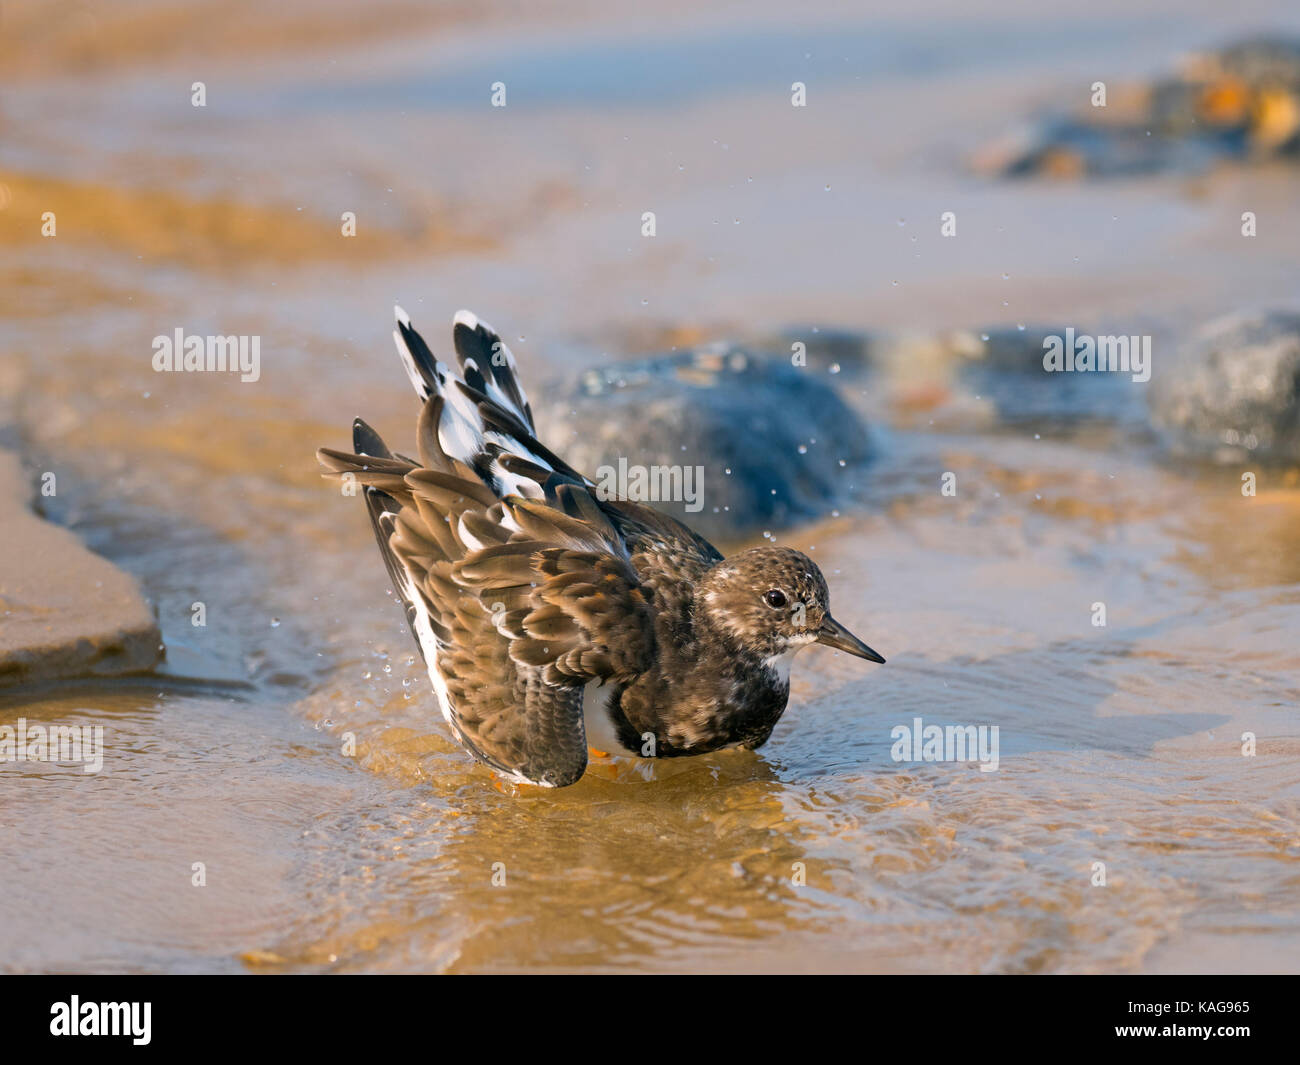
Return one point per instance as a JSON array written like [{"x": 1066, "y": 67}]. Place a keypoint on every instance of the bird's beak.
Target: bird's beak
[{"x": 833, "y": 634}]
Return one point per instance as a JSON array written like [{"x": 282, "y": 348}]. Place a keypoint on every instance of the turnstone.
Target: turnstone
[{"x": 551, "y": 618}]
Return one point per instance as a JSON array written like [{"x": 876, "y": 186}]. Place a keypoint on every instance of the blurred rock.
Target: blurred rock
[
  {"x": 1240, "y": 102},
  {"x": 769, "y": 437},
  {"x": 846, "y": 351},
  {"x": 1002, "y": 348},
  {"x": 1236, "y": 392},
  {"x": 1004, "y": 365},
  {"x": 64, "y": 612},
  {"x": 1071, "y": 148}
]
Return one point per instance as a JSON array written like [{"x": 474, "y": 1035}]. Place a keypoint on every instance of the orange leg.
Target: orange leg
[{"x": 515, "y": 790}]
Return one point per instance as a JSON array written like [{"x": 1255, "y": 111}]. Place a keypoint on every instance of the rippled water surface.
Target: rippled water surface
[{"x": 1118, "y": 744}]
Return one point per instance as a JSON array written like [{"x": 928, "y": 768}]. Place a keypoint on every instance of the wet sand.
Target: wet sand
[{"x": 1119, "y": 744}]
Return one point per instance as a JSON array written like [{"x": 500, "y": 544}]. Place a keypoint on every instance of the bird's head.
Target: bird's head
[{"x": 773, "y": 601}]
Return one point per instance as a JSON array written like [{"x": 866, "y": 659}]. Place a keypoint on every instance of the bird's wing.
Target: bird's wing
[
  {"x": 515, "y": 605},
  {"x": 668, "y": 557},
  {"x": 565, "y": 594}
]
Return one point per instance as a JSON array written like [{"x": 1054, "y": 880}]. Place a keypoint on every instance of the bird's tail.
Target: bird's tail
[{"x": 482, "y": 419}]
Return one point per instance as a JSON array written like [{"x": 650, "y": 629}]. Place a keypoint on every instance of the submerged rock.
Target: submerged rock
[
  {"x": 834, "y": 350},
  {"x": 736, "y": 444},
  {"x": 1242, "y": 102},
  {"x": 1004, "y": 365},
  {"x": 1067, "y": 147},
  {"x": 64, "y": 612},
  {"x": 1237, "y": 390}
]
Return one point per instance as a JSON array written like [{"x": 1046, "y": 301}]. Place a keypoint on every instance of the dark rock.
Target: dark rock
[
  {"x": 1237, "y": 391},
  {"x": 1067, "y": 147},
  {"x": 741, "y": 420},
  {"x": 1005, "y": 366},
  {"x": 1004, "y": 348},
  {"x": 1240, "y": 102},
  {"x": 1256, "y": 61},
  {"x": 829, "y": 349}
]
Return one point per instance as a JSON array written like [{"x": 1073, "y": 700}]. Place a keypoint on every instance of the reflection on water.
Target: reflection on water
[{"x": 289, "y": 745}]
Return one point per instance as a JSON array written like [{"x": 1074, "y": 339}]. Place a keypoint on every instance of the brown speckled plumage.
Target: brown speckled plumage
[{"x": 523, "y": 587}]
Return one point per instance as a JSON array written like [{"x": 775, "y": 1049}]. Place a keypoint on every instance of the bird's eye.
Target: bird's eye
[{"x": 775, "y": 599}]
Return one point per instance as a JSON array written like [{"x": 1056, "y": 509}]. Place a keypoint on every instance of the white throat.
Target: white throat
[{"x": 779, "y": 665}]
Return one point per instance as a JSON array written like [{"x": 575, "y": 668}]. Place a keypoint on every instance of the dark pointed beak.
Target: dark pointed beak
[{"x": 833, "y": 634}]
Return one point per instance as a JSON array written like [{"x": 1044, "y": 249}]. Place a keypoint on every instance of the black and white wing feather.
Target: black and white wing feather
[{"x": 517, "y": 584}]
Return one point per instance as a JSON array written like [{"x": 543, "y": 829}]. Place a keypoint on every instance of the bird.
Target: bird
[{"x": 555, "y": 620}]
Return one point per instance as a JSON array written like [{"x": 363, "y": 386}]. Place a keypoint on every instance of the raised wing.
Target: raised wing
[{"x": 515, "y": 605}]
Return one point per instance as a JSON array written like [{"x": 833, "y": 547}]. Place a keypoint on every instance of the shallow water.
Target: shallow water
[{"x": 1118, "y": 744}]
